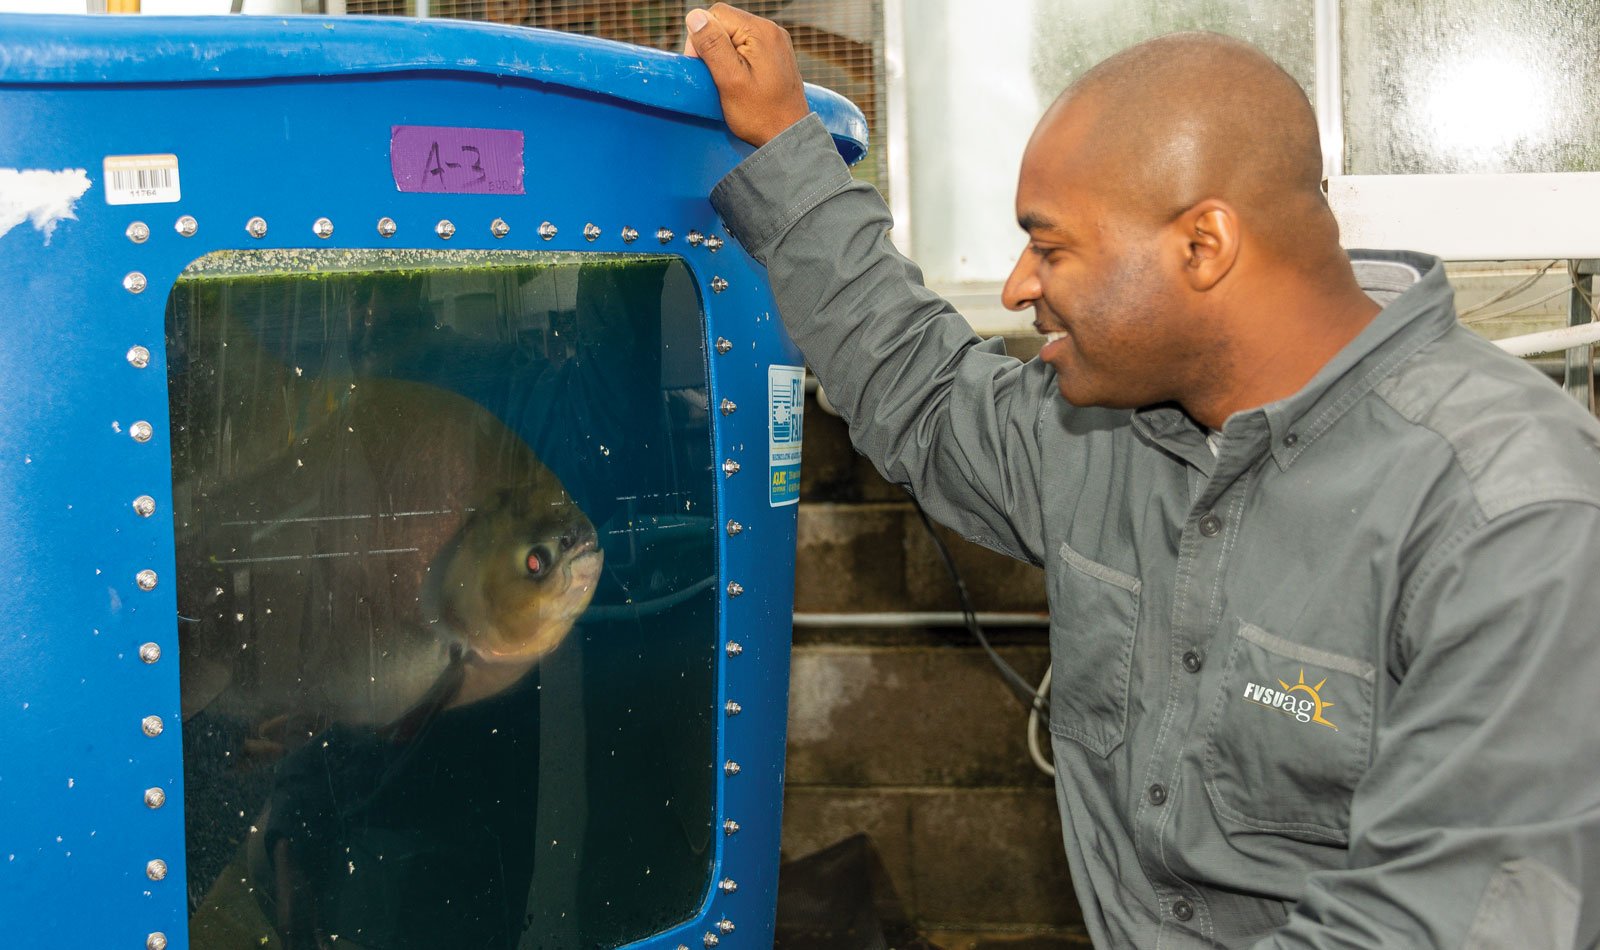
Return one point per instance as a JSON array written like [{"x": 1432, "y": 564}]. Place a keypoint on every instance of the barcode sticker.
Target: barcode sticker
[{"x": 141, "y": 179}]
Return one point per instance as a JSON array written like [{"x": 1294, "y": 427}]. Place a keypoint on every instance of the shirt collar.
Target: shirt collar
[{"x": 1418, "y": 307}]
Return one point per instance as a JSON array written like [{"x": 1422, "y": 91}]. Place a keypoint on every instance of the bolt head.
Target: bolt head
[
  {"x": 728, "y": 885},
  {"x": 322, "y": 228},
  {"x": 144, "y": 505},
  {"x": 730, "y": 467},
  {"x": 138, "y": 357},
  {"x": 186, "y": 225},
  {"x": 732, "y": 708},
  {"x": 730, "y": 827},
  {"x": 728, "y": 406},
  {"x": 134, "y": 283},
  {"x": 547, "y": 230},
  {"x": 695, "y": 237},
  {"x": 735, "y": 588},
  {"x": 725, "y": 925},
  {"x": 731, "y": 767},
  {"x": 734, "y": 648},
  {"x": 152, "y": 726},
  {"x": 256, "y": 228},
  {"x": 141, "y": 431},
  {"x": 155, "y": 797},
  {"x": 713, "y": 243},
  {"x": 591, "y": 231},
  {"x": 156, "y": 941},
  {"x": 146, "y": 579},
  {"x": 156, "y": 870},
  {"x": 664, "y": 235},
  {"x": 138, "y": 232},
  {"x": 499, "y": 228},
  {"x": 734, "y": 528},
  {"x": 629, "y": 235},
  {"x": 387, "y": 227},
  {"x": 718, "y": 285},
  {"x": 150, "y": 652},
  {"x": 711, "y": 939},
  {"x": 724, "y": 345},
  {"x": 445, "y": 229}
]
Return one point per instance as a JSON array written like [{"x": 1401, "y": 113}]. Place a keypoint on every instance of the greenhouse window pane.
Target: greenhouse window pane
[{"x": 1471, "y": 86}]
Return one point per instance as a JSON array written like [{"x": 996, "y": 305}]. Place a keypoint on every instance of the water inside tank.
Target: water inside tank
[{"x": 446, "y": 597}]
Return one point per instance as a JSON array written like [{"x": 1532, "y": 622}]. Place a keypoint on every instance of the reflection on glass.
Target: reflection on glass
[
  {"x": 446, "y": 571},
  {"x": 1070, "y": 36},
  {"x": 1471, "y": 86}
]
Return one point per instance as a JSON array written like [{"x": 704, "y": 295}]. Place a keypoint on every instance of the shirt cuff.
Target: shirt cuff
[{"x": 778, "y": 184}]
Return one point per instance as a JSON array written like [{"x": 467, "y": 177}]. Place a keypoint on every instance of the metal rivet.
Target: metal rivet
[
  {"x": 683, "y": 946},
  {"x": 734, "y": 648},
  {"x": 731, "y": 767},
  {"x": 732, "y": 708},
  {"x": 735, "y": 588},
  {"x": 695, "y": 237},
  {"x": 728, "y": 406},
  {"x": 664, "y": 235},
  {"x": 734, "y": 528},
  {"x": 155, "y": 797},
  {"x": 710, "y": 939},
  {"x": 387, "y": 227},
  {"x": 150, "y": 652},
  {"x": 156, "y": 870},
  {"x": 718, "y": 285},
  {"x": 144, "y": 505},
  {"x": 629, "y": 235},
  {"x": 322, "y": 228},
  {"x": 728, "y": 885},
  {"x": 591, "y": 231},
  {"x": 256, "y": 228},
  {"x": 730, "y": 827},
  {"x": 713, "y": 243},
  {"x": 723, "y": 345},
  {"x": 446, "y": 229},
  {"x": 156, "y": 941},
  {"x": 725, "y": 925},
  {"x": 499, "y": 228},
  {"x": 547, "y": 230},
  {"x": 139, "y": 357},
  {"x": 146, "y": 579},
  {"x": 152, "y": 726},
  {"x": 138, "y": 232},
  {"x": 729, "y": 467},
  {"x": 186, "y": 225},
  {"x": 141, "y": 431},
  {"x": 134, "y": 283}
]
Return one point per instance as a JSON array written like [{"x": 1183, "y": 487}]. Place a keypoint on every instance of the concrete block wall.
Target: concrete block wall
[{"x": 908, "y": 734}]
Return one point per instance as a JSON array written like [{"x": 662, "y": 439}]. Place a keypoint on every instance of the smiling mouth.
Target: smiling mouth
[{"x": 1054, "y": 336}]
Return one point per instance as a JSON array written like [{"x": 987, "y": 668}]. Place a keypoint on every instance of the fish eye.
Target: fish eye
[{"x": 537, "y": 561}]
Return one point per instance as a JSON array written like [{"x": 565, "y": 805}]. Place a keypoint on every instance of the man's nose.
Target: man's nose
[{"x": 1022, "y": 287}]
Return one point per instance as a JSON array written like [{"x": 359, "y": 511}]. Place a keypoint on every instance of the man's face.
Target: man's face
[{"x": 1096, "y": 273}]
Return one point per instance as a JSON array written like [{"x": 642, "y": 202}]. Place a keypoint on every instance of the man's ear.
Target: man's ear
[{"x": 1209, "y": 232}]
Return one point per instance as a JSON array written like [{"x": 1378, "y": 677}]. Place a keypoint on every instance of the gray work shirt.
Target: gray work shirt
[{"x": 1333, "y": 686}]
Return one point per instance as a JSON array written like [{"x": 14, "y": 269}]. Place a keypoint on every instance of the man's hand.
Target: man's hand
[{"x": 753, "y": 65}]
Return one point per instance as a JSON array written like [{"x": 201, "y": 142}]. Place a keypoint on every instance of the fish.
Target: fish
[{"x": 407, "y": 553}]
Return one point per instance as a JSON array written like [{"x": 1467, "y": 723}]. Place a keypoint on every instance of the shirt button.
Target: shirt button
[
  {"x": 1290, "y": 440},
  {"x": 1157, "y": 794},
  {"x": 1211, "y": 525},
  {"x": 1182, "y": 909},
  {"x": 1192, "y": 661}
]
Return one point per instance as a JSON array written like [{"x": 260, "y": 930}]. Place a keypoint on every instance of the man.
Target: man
[{"x": 1322, "y": 564}]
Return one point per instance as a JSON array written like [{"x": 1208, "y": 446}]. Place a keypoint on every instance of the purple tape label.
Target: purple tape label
[{"x": 445, "y": 160}]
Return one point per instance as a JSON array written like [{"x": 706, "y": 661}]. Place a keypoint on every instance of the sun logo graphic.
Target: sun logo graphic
[{"x": 1303, "y": 701}]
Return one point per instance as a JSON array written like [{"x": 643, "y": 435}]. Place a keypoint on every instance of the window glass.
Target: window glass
[
  {"x": 1070, "y": 36},
  {"x": 1471, "y": 86},
  {"x": 446, "y": 597}
]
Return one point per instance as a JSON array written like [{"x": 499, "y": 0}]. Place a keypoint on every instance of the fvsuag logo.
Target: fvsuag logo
[{"x": 1302, "y": 701}]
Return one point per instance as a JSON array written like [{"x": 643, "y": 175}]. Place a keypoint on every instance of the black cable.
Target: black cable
[{"x": 1024, "y": 690}]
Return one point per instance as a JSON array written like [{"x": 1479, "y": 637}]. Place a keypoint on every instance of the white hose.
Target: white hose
[
  {"x": 1566, "y": 338},
  {"x": 1042, "y": 694}
]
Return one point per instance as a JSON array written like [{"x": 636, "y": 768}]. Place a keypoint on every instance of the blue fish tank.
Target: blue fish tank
[{"x": 401, "y": 463}]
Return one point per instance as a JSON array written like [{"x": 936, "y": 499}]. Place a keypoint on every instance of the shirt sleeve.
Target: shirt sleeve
[
  {"x": 937, "y": 410},
  {"x": 1478, "y": 823}
]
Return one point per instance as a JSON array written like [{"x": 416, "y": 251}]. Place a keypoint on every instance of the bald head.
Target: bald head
[{"x": 1179, "y": 119}]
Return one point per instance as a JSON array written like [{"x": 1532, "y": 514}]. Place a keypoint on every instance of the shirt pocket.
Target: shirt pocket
[
  {"x": 1288, "y": 737},
  {"x": 1091, "y": 644}
]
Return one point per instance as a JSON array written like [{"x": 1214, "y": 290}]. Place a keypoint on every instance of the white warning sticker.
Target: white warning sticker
[
  {"x": 786, "y": 406},
  {"x": 141, "y": 179}
]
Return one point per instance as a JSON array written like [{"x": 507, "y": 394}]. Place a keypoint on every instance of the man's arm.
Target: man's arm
[
  {"x": 1478, "y": 824},
  {"x": 953, "y": 418}
]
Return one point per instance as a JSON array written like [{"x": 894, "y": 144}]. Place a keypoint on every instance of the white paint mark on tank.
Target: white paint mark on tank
[{"x": 38, "y": 195}]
